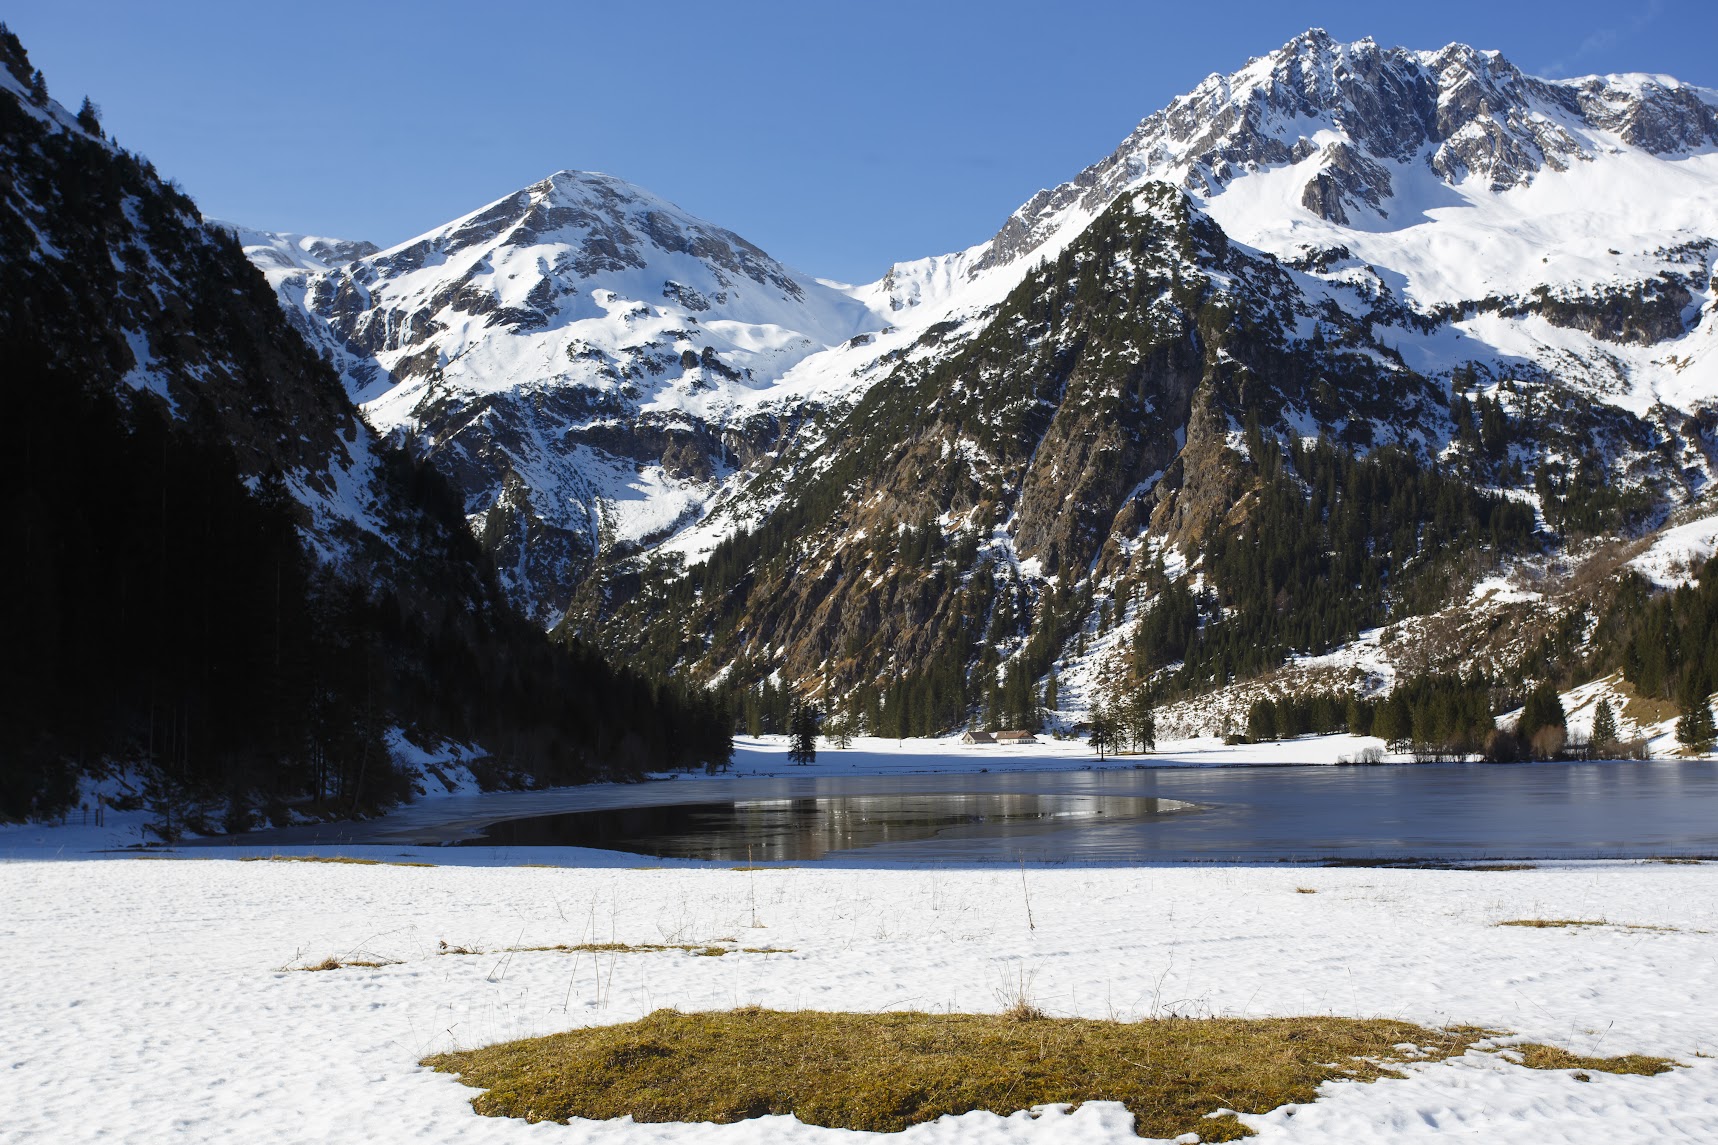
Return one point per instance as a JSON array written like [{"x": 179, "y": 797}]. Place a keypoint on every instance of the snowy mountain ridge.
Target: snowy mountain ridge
[
  {"x": 1335, "y": 113},
  {"x": 599, "y": 371},
  {"x": 587, "y": 360}
]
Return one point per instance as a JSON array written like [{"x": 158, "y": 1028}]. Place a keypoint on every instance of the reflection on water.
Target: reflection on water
[
  {"x": 800, "y": 829},
  {"x": 1244, "y": 814}
]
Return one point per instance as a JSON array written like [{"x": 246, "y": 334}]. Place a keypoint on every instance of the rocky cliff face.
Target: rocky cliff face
[{"x": 1116, "y": 408}]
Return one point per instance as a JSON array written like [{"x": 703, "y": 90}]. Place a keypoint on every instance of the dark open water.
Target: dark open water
[{"x": 1455, "y": 812}]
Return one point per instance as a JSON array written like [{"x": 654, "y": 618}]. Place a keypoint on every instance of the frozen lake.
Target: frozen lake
[{"x": 1147, "y": 815}]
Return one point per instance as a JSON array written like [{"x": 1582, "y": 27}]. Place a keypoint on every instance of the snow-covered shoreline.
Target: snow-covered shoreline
[
  {"x": 459, "y": 811},
  {"x": 448, "y": 788}
]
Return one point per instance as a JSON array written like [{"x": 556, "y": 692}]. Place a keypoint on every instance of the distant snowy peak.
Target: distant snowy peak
[
  {"x": 604, "y": 225},
  {"x": 600, "y": 281},
  {"x": 1344, "y": 113},
  {"x": 282, "y": 255}
]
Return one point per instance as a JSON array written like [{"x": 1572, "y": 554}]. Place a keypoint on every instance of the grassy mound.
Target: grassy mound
[{"x": 884, "y": 1072}]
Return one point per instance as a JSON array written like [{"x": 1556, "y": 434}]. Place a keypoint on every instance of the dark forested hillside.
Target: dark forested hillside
[{"x": 217, "y": 571}]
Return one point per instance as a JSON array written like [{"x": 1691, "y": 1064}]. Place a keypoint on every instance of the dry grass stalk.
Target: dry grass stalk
[
  {"x": 704, "y": 951},
  {"x": 333, "y": 963},
  {"x": 1559, "y": 923},
  {"x": 340, "y": 859}
]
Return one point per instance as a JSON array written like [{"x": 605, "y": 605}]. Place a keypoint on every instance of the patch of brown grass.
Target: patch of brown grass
[
  {"x": 1306, "y": 890},
  {"x": 1535, "y": 1056},
  {"x": 885, "y": 1072},
  {"x": 1642, "y": 709}
]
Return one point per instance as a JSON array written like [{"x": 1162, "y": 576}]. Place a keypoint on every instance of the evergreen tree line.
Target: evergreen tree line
[
  {"x": 1668, "y": 640},
  {"x": 1434, "y": 716},
  {"x": 1333, "y": 544},
  {"x": 159, "y": 610},
  {"x": 1666, "y": 644}
]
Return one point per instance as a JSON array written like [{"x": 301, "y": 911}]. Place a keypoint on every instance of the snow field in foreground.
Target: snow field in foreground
[{"x": 147, "y": 999}]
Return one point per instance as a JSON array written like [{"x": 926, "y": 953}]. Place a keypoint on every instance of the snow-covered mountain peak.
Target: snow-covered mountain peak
[
  {"x": 596, "y": 282},
  {"x": 1346, "y": 116},
  {"x": 598, "y": 369},
  {"x": 601, "y": 224}
]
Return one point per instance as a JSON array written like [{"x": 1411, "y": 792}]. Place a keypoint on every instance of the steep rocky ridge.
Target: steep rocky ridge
[{"x": 1337, "y": 115}]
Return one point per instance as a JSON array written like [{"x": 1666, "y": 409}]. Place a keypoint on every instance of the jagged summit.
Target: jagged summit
[{"x": 1343, "y": 115}]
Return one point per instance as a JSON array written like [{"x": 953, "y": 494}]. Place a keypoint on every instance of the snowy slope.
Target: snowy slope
[
  {"x": 589, "y": 277},
  {"x": 284, "y": 257}
]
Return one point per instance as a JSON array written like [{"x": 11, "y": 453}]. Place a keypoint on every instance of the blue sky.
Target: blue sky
[{"x": 840, "y": 138}]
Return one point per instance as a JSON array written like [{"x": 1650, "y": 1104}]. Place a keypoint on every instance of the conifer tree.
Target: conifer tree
[
  {"x": 1141, "y": 722},
  {"x": 1262, "y": 721},
  {"x": 1695, "y": 729},
  {"x": 802, "y": 751},
  {"x": 1542, "y": 710},
  {"x": 1359, "y": 717},
  {"x": 1604, "y": 726},
  {"x": 1393, "y": 721},
  {"x": 1102, "y": 735}
]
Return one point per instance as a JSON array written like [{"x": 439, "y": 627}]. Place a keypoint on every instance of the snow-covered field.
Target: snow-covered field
[
  {"x": 157, "y": 1001},
  {"x": 162, "y": 996}
]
